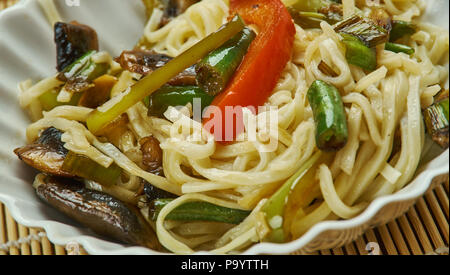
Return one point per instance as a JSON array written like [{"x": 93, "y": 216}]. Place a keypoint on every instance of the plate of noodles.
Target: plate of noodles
[{"x": 220, "y": 126}]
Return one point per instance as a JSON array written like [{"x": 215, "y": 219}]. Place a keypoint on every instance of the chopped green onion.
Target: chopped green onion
[
  {"x": 366, "y": 31},
  {"x": 399, "y": 48},
  {"x": 83, "y": 167},
  {"x": 359, "y": 54},
  {"x": 400, "y": 29},
  {"x": 274, "y": 207}
]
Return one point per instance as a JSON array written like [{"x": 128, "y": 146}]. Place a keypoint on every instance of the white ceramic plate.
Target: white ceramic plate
[{"x": 27, "y": 51}]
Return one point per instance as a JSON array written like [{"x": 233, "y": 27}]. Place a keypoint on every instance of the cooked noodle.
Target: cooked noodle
[{"x": 243, "y": 174}]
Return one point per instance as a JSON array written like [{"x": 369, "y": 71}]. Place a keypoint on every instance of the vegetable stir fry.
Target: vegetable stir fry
[{"x": 233, "y": 122}]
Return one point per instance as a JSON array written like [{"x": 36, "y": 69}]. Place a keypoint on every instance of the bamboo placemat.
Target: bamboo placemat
[{"x": 424, "y": 229}]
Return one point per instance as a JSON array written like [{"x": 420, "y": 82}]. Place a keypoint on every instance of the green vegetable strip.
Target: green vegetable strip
[
  {"x": 329, "y": 116},
  {"x": 49, "y": 100},
  {"x": 399, "y": 48},
  {"x": 152, "y": 82},
  {"x": 437, "y": 122},
  {"x": 274, "y": 207},
  {"x": 159, "y": 101},
  {"x": 199, "y": 211},
  {"x": 400, "y": 29},
  {"x": 217, "y": 68},
  {"x": 84, "y": 68},
  {"x": 84, "y": 167},
  {"x": 366, "y": 31},
  {"x": 359, "y": 54}
]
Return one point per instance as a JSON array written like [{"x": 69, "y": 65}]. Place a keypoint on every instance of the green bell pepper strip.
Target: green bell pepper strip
[
  {"x": 329, "y": 116},
  {"x": 198, "y": 211},
  {"x": 49, "y": 100},
  {"x": 159, "y": 101},
  {"x": 217, "y": 68},
  {"x": 359, "y": 54},
  {"x": 84, "y": 69},
  {"x": 106, "y": 113},
  {"x": 83, "y": 167},
  {"x": 400, "y": 29},
  {"x": 274, "y": 207},
  {"x": 399, "y": 48}
]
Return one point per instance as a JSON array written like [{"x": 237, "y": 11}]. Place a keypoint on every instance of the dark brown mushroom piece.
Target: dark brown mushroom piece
[
  {"x": 73, "y": 40},
  {"x": 152, "y": 155},
  {"x": 145, "y": 62},
  {"x": 102, "y": 213},
  {"x": 47, "y": 154},
  {"x": 173, "y": 8}
]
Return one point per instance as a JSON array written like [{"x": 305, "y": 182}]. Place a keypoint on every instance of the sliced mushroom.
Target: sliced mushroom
[
  {"x": 152, "y": 155},
  {"x": 102, "y": 213},
  {"x": 73, "y": 40},
  {"x": 47, "y": 154},
  {"x": 145, "y": 62}
]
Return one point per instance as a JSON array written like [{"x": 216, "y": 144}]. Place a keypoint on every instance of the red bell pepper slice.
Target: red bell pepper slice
[{"x": 261, "y": 68}]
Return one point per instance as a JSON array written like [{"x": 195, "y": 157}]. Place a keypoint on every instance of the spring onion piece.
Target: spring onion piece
[
  {"x": 400, "y": 29},
  {"x": 84, "y": 167},
  {"x": 274, "y": 207},
  {"x": 198, "y": 211},
  {"x": 84, "y": 69},
  {"x": 366, "y": 31},
  {"x": 399, "y": 48},
  {"x": 159, "y": 101},
  {"x": 359, "y": 54},
  {"x": 152, "y": 82},
  {"x": 217, "y": 68},
  {"x": 436, "y": 120},
  {"x": 49, "y": 100},
  {"x": 329, "y": 116}
]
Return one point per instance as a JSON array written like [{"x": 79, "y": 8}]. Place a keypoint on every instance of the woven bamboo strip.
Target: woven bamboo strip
[
  {"x": 60, "y": 250},
  {"x": 2, "y": 228},
  {"x": 35, "y": 245},
  {"x": 387, "y": 241},
  {"x": 431, "y": 227},
  {"x": 438, "y": 215},
  {"x": 338, "y": 251},
  {"x": 325, "y": 252},
  {"x": 24, "y": 247},
  {"x": 11, "y": 229},
  {"x": 442, "y": 196},
  {"x": 46, "y": 246},
  {"x": 361, "y": 246},
  {"x": 410, "y": 236},
  {"x": 398, "y": 238},
  {"x": 420, "y": 231},
  {"x": 350, "y": 249}
]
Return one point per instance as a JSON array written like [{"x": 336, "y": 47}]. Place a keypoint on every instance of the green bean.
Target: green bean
[
  {"x": 217, "y": 68},
  {"x": 399, "y": 48},
  {"x": 159, "y": 101},
  {"x": 198, "y": 211},
  {"x": 329, "y": 116}
]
